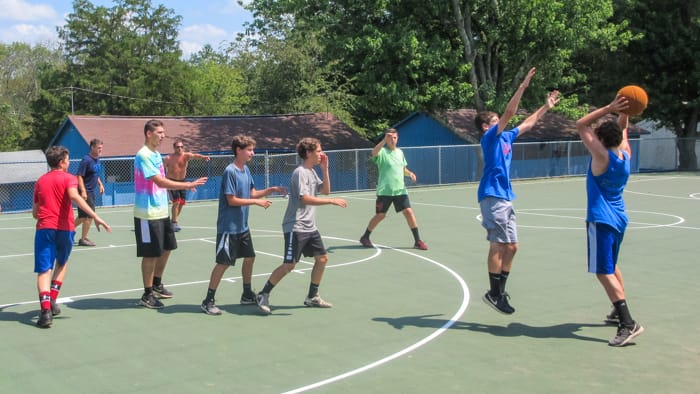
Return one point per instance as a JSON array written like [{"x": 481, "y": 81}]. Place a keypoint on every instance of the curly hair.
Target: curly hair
[
  {"x": 609, "y": 133},
  {"x": 307, "y": 144}
]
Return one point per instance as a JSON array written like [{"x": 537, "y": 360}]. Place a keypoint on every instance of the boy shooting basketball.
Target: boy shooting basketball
[{"x": 606, "y": 219}]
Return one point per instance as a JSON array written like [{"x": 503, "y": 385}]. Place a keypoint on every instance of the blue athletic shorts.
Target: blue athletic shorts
[
  {"x": 603, "y": 247},
  {"x": 49, "y": 246}
]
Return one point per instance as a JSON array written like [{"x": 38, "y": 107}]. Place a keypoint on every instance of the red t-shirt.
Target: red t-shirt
[{"x": 55, "y": 207}]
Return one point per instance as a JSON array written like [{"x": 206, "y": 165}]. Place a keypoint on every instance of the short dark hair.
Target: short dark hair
[
  {"x": 483, "y": 117},
  {"x": 609, "y": 133},
  {"x": 178, "y": 140},
  {"x": 95, "y": 142},
  {"x": 307, "y": 144},
  {"x": 151, "y": 125},
  {"x": 241, "y": 141},
  {"x": 55, "y": 155}
]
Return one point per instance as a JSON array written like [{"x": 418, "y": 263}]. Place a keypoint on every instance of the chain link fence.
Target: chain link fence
[{"x": 352, "y": 170}]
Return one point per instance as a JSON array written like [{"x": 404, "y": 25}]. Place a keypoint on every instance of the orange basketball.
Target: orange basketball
[{"x": 636, "y": 97}]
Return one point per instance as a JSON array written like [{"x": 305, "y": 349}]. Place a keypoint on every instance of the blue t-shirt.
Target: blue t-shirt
[
  {"x": 89, "y": 169},
  {"x": 239, "y": 183},
  {"x": 497, "y": 150},
  {"x": 605, "y": 203}
]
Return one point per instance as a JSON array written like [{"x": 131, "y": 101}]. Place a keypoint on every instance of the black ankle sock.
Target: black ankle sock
[
  {"x": 416, "y": 236},
  {"x": 504, "y": 278},
  {"x": 366, "y": 234},
  {"x": 247, "y": 288},
  {"x": 156, "y": 281},
  {"x": 147, "y": 290},
  {"x": 495, "y": 282},
  {"x": 624, "y": 312},
  {"x": 268, "y": 287},
  {"x": 210, "y": 294},
  {"x": 313, "y": 290}
]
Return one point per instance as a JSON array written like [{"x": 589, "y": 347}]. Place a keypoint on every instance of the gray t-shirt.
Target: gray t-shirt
[{"x": 299, "y": 217}]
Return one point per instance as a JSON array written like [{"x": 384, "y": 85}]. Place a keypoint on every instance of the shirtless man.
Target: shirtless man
[{"x": 176, "y": 169}]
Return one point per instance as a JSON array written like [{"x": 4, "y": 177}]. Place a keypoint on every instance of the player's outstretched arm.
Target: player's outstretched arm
[
  {"x": 529, "y": 123},
  {"x": 514, "y": 102}
]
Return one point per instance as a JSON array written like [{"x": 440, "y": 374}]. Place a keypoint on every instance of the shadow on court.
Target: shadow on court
[
  {"x": 331, "y": 249},
  {"x": 26, "y": 318},
  {"x": 103, "y": 303},
  {"x": 563, "y": 331}
]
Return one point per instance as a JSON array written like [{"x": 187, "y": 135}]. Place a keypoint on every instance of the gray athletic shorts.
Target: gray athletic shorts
[{"x": 498, "y": 218}]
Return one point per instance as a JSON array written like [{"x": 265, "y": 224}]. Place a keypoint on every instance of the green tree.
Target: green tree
[
  {"x": 20, "y": 65},
  {"x": 123, "y": 60},
  {"x": 502, "y": 40},
  {"x": 406, "y": 55},
  {"x": 664, "y": 60},
  {"x": 214, "y": 86},
  {"x": 286, "y": 73}
]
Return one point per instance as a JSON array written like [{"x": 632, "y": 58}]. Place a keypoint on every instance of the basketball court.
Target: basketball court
[{"x": 403, "y": 320}]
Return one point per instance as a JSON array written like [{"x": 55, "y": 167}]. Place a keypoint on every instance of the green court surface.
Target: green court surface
[{"x": 403, "y": 321}]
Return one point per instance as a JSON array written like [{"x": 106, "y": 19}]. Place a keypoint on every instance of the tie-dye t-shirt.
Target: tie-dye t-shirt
[{"x": 150, "y": 200}]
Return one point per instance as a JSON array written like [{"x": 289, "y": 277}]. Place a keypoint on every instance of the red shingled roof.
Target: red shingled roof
[{"x": 123, "y": 135}]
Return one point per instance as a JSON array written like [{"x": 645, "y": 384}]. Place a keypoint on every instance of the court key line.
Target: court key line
[{"x": 378, "y": 250}]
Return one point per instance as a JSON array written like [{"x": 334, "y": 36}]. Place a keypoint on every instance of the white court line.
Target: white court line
[
  {"x": 435, "y": 334},
  {"x": 377, "y": 252}
]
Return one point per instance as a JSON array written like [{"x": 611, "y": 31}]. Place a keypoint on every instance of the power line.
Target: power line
[{"x": 74, "y": 88}]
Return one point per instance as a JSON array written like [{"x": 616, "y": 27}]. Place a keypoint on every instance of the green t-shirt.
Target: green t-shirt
[{"x": 391, "y": 164}]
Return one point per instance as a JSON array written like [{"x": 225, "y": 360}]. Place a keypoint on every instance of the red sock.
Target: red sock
[
  {"x": 55, "y": 288},
  {"x": 45, "y": 300}
]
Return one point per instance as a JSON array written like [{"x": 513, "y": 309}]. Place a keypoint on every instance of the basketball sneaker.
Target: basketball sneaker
[
  {"x": 317, "y": 302},
  {"x": 162, "y": 292},
  {"x": 210, "y": 308},
  {"x": 45, "y": 319},
  {"x": 613, "y": 317},
  {"x": 499, "y": 303},
  {"x": 55, "y": 310},
  {"x": 150, "y": 301},
  {"x": 626, "y": 334},
  {"x": 263, "y": 302},
  {"x": 248, "y": 299},
  {"x": 366, "y": 242},
  {"x": 420, "y": 245}
]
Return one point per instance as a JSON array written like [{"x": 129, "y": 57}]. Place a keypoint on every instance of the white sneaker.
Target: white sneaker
[
  {"x": 263, "y": 301},
  {"x": 317, "y": 302}
]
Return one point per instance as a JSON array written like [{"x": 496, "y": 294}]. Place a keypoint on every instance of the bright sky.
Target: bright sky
[{"x": 203, "y": 22}]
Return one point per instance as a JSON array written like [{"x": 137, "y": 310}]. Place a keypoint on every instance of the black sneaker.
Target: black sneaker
[
  {"x": 248, "y": 299},
  {"x": 366, "y": 242},
  {"x": 613, "y": 317},
  {"x": 162, "y": 292},
  {"x": 210, "y": 308},
  {"x": 150, "y": 301},
  {"x": 626, "y": 334},
  {"x": 55, "y": 310},
  {"x": 45, "y": 319},
  {"x": 499, "y": 303}
]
